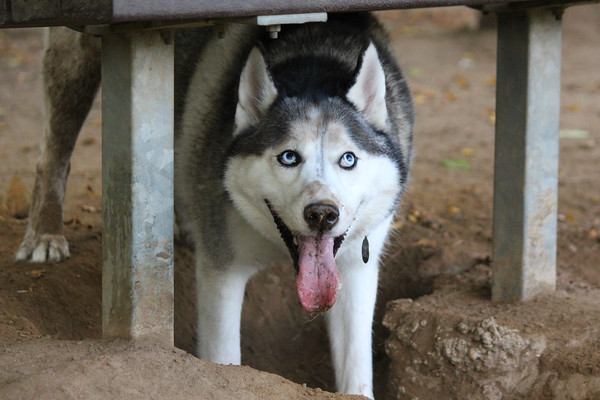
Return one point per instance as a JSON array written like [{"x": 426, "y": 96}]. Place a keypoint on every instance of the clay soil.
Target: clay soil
[{"x": 445, "y": 333}]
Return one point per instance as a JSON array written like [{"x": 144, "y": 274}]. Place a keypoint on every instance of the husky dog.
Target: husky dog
[{"x": 296, "y": 147}]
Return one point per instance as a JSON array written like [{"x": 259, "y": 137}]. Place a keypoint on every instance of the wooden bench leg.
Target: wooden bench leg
[
  {"x": 137, "y": 192},
  {"x": 526, "y": 154}
]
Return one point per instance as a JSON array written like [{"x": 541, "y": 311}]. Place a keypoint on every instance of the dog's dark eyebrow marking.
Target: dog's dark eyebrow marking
[
  {"x": 365, "y": 136},
  {"x": 275, "y": 128},
  {"x": 270, "y": 132}
]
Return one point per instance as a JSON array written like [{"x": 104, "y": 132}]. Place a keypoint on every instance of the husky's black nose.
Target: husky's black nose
[{"x": 321, "y": 217}]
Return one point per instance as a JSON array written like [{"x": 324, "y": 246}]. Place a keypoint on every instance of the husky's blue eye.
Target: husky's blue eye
[
  {"x": 289, "y": 158},
  {"x": 348, "y": 160}
]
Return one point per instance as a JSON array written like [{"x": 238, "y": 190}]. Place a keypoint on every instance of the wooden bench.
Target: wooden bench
[{"x": 137, "y": 136}]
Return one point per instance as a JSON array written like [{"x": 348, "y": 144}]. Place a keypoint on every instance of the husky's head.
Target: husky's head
[{"x": 314, "y": 171}]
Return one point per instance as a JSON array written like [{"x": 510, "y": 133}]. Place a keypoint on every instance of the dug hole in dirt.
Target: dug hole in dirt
[{"x": 437, "y": 335}]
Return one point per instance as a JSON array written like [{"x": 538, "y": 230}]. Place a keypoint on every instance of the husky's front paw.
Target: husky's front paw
[{"x": 43, "y": 248}]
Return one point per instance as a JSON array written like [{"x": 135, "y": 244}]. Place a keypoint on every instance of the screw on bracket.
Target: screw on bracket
[{"x": 273, "y": 31}]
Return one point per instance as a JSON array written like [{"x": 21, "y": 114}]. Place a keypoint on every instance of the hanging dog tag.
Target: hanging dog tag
[{"x": 365, "y": 250}]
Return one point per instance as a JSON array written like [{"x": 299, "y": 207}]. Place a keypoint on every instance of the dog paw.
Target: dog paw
[{"x": 43, "y": 248}]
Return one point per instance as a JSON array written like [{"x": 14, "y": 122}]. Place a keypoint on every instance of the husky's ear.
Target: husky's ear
[
  {"x": 368, "y": 93},
  {"x": 256, "y": 92}
]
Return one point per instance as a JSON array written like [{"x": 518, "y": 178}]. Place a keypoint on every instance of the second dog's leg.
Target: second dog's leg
[{"x": 71, "y": 70}]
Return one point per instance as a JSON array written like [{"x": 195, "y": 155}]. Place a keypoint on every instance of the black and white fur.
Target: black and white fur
[{"x": 285, "y": 147}]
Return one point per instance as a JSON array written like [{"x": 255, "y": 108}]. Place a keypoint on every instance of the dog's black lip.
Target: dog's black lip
[
  {"x": 337, "y": 242},
  {"x": 288, "y": 237}
]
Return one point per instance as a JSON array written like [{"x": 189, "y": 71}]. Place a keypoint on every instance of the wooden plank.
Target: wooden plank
[
  {"x": 147, "y": 10},
  {"x": 3, "y": 11},
  {"x": 4, "y": 16},
  {"x": 23, "y": 13},
  {"x": 55, "y": 12},
  {"x": 89, "y": 10},
  {"x": 23, "y": 10}
]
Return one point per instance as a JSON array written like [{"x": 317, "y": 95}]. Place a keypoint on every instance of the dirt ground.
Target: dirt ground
[{"x": 442, "y": 337}]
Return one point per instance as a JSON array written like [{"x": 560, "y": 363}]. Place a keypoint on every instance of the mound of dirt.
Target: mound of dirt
[
  {"x": 455, "y": 341},
  {"x": 123, "y": 370}
]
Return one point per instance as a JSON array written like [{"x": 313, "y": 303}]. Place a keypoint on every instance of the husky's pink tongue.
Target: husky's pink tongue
[{"x": 318, "y": 282}]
